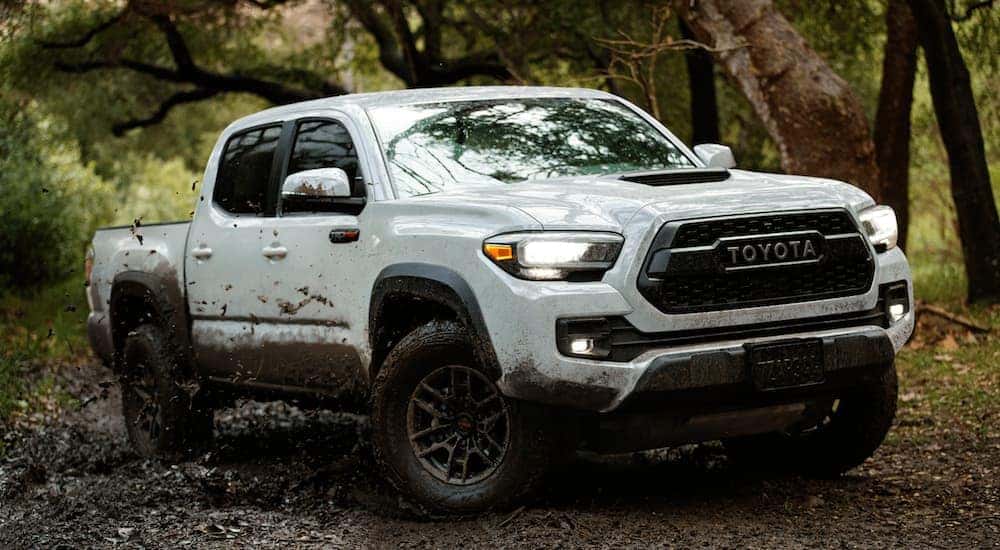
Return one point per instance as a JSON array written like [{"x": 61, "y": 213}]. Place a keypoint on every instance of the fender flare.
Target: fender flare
[
  {"x": 443, "y": 285},
  {"x": 167, "y": 301}
]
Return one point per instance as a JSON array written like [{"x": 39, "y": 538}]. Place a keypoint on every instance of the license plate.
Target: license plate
[{"x": 783, "y": 365}]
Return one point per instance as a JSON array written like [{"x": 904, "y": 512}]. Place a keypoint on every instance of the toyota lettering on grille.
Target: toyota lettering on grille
[{"x": 771, "y": 250}]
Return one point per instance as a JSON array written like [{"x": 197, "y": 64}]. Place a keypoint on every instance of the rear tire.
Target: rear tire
[
  {"x": 161, "y": 418},
  {"x": 445, "y": 436},
  {"x": 842, "y": 439}
]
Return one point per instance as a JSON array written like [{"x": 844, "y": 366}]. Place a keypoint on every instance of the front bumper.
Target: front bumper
[
  {"x": 714, "y": 373},
  {"x": 672, "y": 379},
  {"x": 534, "y": 370}
]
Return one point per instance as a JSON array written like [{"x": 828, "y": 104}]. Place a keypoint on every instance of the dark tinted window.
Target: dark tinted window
[
  {"x": 323, "y": 144},
  {"x": 246, "y": 170}
]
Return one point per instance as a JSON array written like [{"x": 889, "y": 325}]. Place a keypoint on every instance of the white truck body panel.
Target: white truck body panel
[{"x": 270, "y": 320}]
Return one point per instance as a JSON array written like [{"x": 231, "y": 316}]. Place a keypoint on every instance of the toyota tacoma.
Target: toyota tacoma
[{"x": 502, "y": 276}]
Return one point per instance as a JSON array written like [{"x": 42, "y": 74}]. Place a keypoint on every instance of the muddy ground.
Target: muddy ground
[{"x": 283, "y": 477}]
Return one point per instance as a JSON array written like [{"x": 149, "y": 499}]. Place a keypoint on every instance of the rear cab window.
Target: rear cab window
[{"x": 245, "y": 171}]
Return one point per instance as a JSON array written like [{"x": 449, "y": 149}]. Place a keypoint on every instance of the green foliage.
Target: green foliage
[
  {"x": 151, "y": 170},
  {"x": 955, "y": 380},
  {"x": 90, "y": 103},
  {"x": 52, "y": 201},
  {"x": 47, "y": 324},
  {"x": 11, "y": 386},
  {"x": 159, "y": 191}
]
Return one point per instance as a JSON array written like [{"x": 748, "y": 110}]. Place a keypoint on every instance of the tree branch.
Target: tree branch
[
  {"x": 484, "y": 63},
  {"x": 87, "y": 37},
  {"x": 187, "y": 72},
  {"x": 266, "y": 4},
  {"x": 398, "y": 52},
  {"x": 179, "y": 98},
  {"x": 389, "y": 53},
  {"x": 971, "y": 9},
  {"x": 161, "y": 73},
  {"x": 431, "y": 14},
  {"x": 385, "y": 21},
  {"x": 406, "y": 42},
  {"x": 175, "y": 41},
  {"x": 208, "y": 84}
]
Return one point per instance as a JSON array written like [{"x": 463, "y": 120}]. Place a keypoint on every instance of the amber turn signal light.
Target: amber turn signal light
[{"x": 499, "y": 252}]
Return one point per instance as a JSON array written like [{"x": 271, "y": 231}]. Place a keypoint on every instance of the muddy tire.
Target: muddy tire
[
  {"x": 444, "y": 435},
  {"x": 842, "y": 439},
  {"x": 161, "y": 418}
]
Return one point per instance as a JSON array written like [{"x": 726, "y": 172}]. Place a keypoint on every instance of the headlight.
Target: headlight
[
  {"x": 554, "y": 255},
  {"x": 879, "y": 223}
]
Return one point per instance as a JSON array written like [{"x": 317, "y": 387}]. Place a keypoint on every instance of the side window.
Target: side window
[
  {"x": 323, "y": 144},
  {"x": 245, "y": 170}
]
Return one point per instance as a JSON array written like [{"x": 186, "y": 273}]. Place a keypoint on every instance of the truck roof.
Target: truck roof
[{"x": 423, "y": 95}]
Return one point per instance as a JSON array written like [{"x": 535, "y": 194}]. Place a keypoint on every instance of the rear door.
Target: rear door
[
  {"x": 314, "y": 283},
  {"x": 224, "y": 266}
]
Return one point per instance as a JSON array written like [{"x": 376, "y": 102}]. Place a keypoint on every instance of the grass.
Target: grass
[
  {"x": 957, "y": 388},
  {"x": 35, "y": 328},
  {"x": 950, "y": 378}
]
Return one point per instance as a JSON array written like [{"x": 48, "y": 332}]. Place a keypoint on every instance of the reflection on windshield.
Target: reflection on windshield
[{"x": 435, "y": 146}]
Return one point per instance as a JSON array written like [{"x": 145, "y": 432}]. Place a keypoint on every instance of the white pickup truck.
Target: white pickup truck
[{"x": 501, "y": 275}]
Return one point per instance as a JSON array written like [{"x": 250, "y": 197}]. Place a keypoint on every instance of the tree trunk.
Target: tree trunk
[
  {"x": 701, "y": 83},
  {"x": 892, "y": 120},
  {"x": 958, "y": 122},
  {"x": 811, "y": 113}
]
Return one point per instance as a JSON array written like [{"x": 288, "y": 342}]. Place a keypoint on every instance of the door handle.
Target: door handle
[
  {"x": 344, "y": 234},
  {"x": 274, "y": 252},
  {"x": 202, "y": 253}
]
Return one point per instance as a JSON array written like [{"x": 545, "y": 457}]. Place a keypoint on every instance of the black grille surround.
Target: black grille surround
[
  {"x": 706, "y": 232},
  {"x": 682, "y": 272}
]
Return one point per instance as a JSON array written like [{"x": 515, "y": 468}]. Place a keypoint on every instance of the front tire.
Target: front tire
[
  {"x": 444, "y": 435},
  {"x": 161, "y": 418},
  {"x": 849, "y": 432}
]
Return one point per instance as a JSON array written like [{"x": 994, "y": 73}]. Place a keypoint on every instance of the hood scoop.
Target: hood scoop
[{"x": 680, "y": 176}]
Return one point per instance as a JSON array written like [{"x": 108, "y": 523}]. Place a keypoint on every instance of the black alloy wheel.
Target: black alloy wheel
[
  {"x": 459, "y": 425},
  {"x": 445, "y": 436}
]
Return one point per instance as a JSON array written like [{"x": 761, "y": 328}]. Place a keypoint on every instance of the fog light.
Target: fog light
[
  {"x": 896, "y": 312},
  {"x": 582, "y": 345},
  {"x": 587, "y": 338},
  {"x": 897, "y": 301}
]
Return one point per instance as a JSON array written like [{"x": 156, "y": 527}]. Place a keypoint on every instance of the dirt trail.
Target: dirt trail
[{"x": 281, "y": 477}]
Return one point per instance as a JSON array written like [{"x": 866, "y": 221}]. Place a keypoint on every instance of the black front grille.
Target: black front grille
[{"x": 696, "y": 282}]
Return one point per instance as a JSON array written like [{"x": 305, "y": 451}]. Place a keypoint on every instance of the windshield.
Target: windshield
[{"x": 436, "y": 146}]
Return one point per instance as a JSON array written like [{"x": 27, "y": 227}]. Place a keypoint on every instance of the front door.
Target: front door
[{"x": 315, "y": 300}]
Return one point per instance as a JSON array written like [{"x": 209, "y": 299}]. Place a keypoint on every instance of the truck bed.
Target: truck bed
[{"x": 153, "y": 253}]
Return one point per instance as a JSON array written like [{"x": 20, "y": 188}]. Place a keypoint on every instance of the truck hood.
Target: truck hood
[{"x": 608, "y": 203}]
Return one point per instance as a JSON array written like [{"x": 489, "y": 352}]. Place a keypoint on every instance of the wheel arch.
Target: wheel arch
[
  {"x": 139, "y": 297},
  {"x": 436, "y": 292}
]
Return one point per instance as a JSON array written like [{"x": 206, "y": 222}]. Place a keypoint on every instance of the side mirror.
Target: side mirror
[
  {"x": 715, "y": 155},
  {"x": 319, "y": 190},
  {"x": 321, "y": 183}
]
